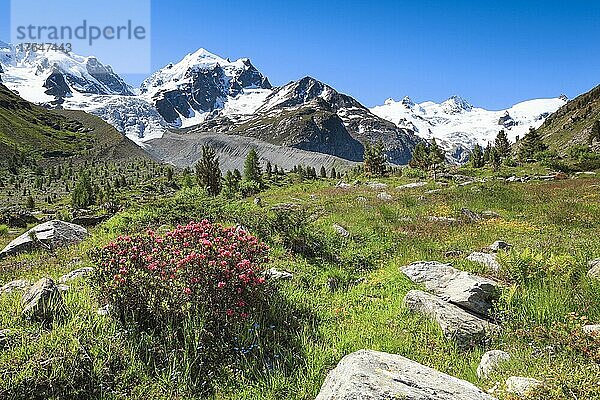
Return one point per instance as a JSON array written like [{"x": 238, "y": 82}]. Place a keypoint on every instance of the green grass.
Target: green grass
[{"x": 345, "y": 296}]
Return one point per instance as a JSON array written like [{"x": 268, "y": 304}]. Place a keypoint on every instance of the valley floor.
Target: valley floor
[{"x": 346, "y": 294}]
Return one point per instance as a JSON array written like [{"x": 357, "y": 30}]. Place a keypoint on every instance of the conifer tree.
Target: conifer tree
[
  {"x": 477, "y": 157},
  {"x": 595, "y": 132},
  {"x": 323, "y": 172},
  {"x": 374, "y": 159},
  {"x": 208, "y": 172},
  {"x": 252, "y": 170},
  {"x": 530, "y": 145},
  {"x": 436, "y": 157},
  {"x": 333, "y": 173},
  {"x": 502, "y": 144},
  {"x": 83, "y": 195},
  {"x": 420, "y": 157}
]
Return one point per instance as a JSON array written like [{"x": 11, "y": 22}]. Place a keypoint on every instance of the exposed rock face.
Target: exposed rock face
[
  {"x": 373, "y": 375},
  {"x": 457, "y": 324},
  {"x": 42, "y": 301},
  {"x": 19, "y": 284},
  {"x": 489, "y": 260},
  {"x": 341, "y": 230},
  {"x": 78, "y": 273},
  {"x": 594, "y": 271},
  {"x": 277, "y": 275},
  {"x": 17, "y": 217},
  {"x": 490, "y": 360},
  {"x": 411, "y": 185},
  {"x": 506, "y": 120},
  {"x": 466, "y": 290},
  {"x": 49, "y": 235},
  {"x": 521, "y": 386}
]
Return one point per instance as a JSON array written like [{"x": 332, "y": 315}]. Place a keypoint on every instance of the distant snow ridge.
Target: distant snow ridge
[{"x": 458, "y": 126}]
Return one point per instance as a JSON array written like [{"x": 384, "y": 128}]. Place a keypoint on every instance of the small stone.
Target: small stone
[
  {"x": 489, "y": 361},
  {"x": 19, "y": 284},
  {"x": 104, "y": 310},
  {"x": 594, "y": 271},
  {"x": 258, "y": 202},
  {"x": 499, "y": 245},
  {"x": 521, "y": 386},
  {"x": 62, "y": 287},
  {"x": 489, "y": 215},
  {"x": 384, "y": 196},
  {"x": 377, "y": 185},
  {"x": 447, "y": 220},
  {"x": 76, "y": 274},
  {"x": 277, "y": 275},
  {"x": 343, "y": 185},
  {"x": 341, "y": 230},
  {"x": 489, "y": 260},
  {"x": 453, "y": 254},
  {"x": 361, "y": 199},
  {"x": 591, "y": 329},
  {"x": 411, "y": 185},
  {"x": 42, "y": 301},
  {"x": 470, "y": 215}
]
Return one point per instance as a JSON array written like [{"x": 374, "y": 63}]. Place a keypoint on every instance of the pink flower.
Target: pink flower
[
  {"x": 187, "y": 290},
  {"x": 230, "y": 312},
  {"x": 221, "y": 285}
]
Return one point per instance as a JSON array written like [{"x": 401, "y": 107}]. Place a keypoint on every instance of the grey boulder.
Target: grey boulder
[
  {"x": 521, "y": 386},
  {"x": 275, "y": 274},
  {"x": 594, "y": 271},
  {"x": 489, "y": 260},
  {"x": 373, "y": 375},
  {"x": 457, "y": 324},
  {"x": 341, "y": 230},
  {"x": 49, "y": 235},
  {"x": 490, "y": 360},
  {"x": 80, "y": 272},
  {"x": 466, "y": 290},
  {"x": 42, "y": 301},
  {"x": 18, "y": 284},
  {"x": 499, "y": 245}
]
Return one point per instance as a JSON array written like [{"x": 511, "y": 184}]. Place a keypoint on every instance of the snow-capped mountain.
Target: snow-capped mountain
[
  {"x": 187, "y": 92},
  {"x": 310, "y": 115},
  {"x": 45, "y": 76},
  {"x": 458, "y": 126}
]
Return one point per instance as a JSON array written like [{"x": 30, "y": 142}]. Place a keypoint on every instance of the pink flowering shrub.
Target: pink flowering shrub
[{"x": 199, "y": 270}]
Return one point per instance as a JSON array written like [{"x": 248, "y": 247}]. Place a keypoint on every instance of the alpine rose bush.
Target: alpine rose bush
[{"x": 200, "y": 270}]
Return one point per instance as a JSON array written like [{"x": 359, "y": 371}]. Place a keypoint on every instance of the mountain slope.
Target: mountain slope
[
  {"x": 310, "y": 115},
  {"x": 30, "y": 132},
  {"x": 572, "y": 123},
  {"x": 458, "y": 126}
]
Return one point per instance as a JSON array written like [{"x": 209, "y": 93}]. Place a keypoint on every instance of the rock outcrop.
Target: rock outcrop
[
  {"x": 490, "y": 360},
  {"x": 373, "y": 375},
  {"x": 457, "y": 324},
  {"x": 49, "y": 235},
  {"x": 466, "y": 290},
  {"x": 42, "y": 301}
]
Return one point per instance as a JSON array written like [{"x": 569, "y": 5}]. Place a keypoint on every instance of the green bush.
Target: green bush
[
  {"x": 527, "y": 266},
  {"x": 3, "y": 230},
  {"x": 415, "y": 173}
]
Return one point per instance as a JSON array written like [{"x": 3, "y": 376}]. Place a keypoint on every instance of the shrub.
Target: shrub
[
  {"x": 198, "y": 269},
  {"x": 3, "y": 230},
  {"x": 527, "y": 265},
  {"x": 413, "y": 173}
]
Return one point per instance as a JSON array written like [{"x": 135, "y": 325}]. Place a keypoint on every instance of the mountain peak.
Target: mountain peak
[{"x": 456, "y": 104}]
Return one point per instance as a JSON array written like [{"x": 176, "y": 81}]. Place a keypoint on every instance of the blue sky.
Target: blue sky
[{"x": 493, "y": 53}]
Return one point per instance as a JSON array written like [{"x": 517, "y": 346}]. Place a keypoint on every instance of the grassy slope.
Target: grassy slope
[
  {"x": 38, "y": 133},
  {"x": 85, "y": 352},
  {"x": 571, "y": 124}
]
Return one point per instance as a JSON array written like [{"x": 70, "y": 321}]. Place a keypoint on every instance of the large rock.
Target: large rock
[
  {"x": 49, "y": 235},
  {"x": 42, "y": 301},
  {"x": 411, "y": 185},
  {"x": 594, "y": 271},
  {"x": 499, "y": 245},
  {"x": 466, "y": 290},
  {"x": 77, "y": 273},
  {"x": 490, "y": 360},
  {"x": 18, "y": 284},
  {"x": 372, "y": 375},
  {"x": 457, "y": 324},
  {"x": 341, "y": 230},
  {"x": 521, "y": 386},
  {"x": 489, "y": 260}
]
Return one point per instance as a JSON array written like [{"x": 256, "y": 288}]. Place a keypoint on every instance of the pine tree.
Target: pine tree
[
  {"x": 231, "y": 185},
  {"x": 208, "y": 172},
  {"x": 30, "y": 204},
  {"x": 83, "y": 194},
  {"x": 374, "y": 159},
  {"x": 486, "y": 153},
  {"x": 477, "y": 157},
  {"x": 495, "y": 158},
  {"x": 502, "y": 145},
  {"x": 252, "y": 170},
  {"x": 323, "y": 172},
  {"x": 333, "y": 173},
  {"x": 169, "y": 174},
  {"x": 530, "y": 145},
  {"x": 420, "y": 157},
  {"x": 436, "y": 157},
  {"x": 269, "y": 170}
]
